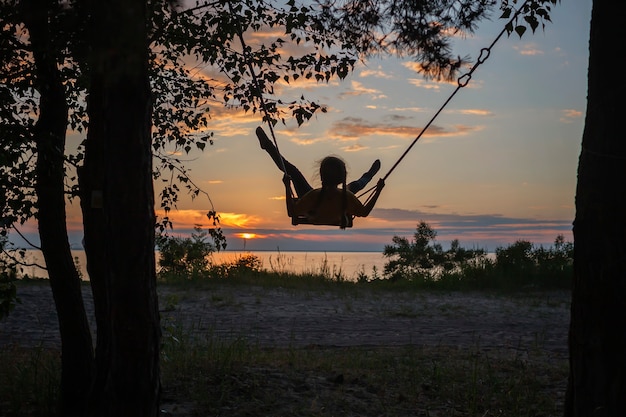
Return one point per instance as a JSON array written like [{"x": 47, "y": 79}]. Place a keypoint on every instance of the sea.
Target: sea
[{"x": 345, "y": 265}]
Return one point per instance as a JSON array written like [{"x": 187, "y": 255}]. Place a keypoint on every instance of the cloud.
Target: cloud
[
  {"x": 483, "y": 227},
  {"x": 421, "y": 83},
  {"x": 354, "y": 148},
  {"x": 529, "y": 49},
  {"x": 474, "y": 112},
  {"x": 570, "y": 115},
  {"x": 351, "y": 128},
  {"x": 188, "y": 219},
  {"x": 377, "y": 73},
  {"x": 486, "y": 231},
  {"x": 239, "y": 220},
  {"x": 410, "y": 109},
  {"x": 358, "y": 89}
]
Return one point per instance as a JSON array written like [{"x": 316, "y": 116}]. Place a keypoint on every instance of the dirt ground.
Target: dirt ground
[
  {"x": 287, "y": 318},
  {"x": 281, "y": 317}
]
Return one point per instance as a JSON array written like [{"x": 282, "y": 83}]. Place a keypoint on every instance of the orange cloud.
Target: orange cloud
[
  {"x": 351, "y": 128},
  {"x": 354, "y": 148},
  {"x": 358, "y": 89},
  {"x": 240, "y": 220},
  {"x": 191, "y": 218},
  {"x": 476, "y": 112},
  {"x": 378, "y": 73},
  {"x": 420, "y": 83},
  {"x": 569, "y": 115}
]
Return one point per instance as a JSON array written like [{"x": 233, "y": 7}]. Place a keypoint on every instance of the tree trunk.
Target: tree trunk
[
  {"x": 597, "y": 338},
  {"x": 49, "y": 134},
  {"x": 121, "y": 219}
]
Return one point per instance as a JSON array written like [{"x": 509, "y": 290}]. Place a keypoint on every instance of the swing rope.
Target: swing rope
[
  {"x": 462, "y": 81},
  {"x": 257, "y": 85}
]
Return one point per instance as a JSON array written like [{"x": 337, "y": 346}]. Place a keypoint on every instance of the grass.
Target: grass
[
  {"x": 29, "y": 381},
  {"x": 238, "y": 379},
  {"x": 214, "y": 378}
]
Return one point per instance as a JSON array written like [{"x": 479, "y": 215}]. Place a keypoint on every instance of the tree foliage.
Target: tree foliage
[
  {"x": 8, "y": 276},
  {"x": 424, "y": 30}
]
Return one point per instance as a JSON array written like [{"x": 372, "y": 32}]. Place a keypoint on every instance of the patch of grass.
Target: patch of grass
[
  {"x": 243, "y": 380},
  {"x": 29, "y": 381}
]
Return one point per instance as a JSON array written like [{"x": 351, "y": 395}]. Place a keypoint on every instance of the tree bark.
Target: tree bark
[
  {"x": 597, "y": 338},
  {"x": 49, "y": 134},
  {"x": 121, "y": 219}
]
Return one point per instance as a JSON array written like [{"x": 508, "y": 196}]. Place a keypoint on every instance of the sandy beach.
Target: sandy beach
[{"x": 280, "y": 317}]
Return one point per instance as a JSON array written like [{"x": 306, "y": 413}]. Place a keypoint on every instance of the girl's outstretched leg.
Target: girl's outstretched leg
[
  {"x": 300, "y": 183},
  {"x": 358, "y": 185}
]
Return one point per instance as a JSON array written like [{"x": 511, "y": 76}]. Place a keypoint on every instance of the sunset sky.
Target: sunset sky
[{"x": 498, "y": 164}]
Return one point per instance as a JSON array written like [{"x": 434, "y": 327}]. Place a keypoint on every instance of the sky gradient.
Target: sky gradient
[{"x": 497, "y": 165}]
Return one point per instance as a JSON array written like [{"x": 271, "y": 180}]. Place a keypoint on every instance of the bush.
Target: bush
[
  {"x": 243, "y": 265},
  {"x": 525, "y": 265},
  {"x": 186, "y": 258},
  {"x": 517, "y": 266},
  {"x": 424, "y": 260}
]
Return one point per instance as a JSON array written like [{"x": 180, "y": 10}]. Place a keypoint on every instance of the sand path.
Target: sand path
[{"x": 294, "y": 318}]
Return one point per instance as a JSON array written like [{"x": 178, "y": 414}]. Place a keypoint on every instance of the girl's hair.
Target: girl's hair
[{"x": 333, "y": 172}]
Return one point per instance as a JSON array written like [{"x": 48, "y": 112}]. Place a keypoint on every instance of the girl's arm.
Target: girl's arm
[{"x": 367, "y": 208}]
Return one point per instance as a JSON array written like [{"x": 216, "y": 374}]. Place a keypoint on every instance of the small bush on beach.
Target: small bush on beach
[
  {"x": 184, "y": 258},
  {"x": 243, "y": 265}
]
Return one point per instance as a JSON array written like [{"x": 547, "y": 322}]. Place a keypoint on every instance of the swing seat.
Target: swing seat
[{"x": 296, "y": 220}]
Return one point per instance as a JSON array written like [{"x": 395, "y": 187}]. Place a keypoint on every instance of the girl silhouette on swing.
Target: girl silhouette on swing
[{"x": 327, "y": 205}]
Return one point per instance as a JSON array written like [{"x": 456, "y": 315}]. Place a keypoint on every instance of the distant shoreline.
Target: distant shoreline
[{"x": 350, "y": 263}]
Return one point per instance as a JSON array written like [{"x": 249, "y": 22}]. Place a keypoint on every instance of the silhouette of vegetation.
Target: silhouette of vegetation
[
  {"x": 424, "y": 259},
  {"x": 8, "y": 276},
  {"x": 180, "y": 256},
  {"x": 521, "y": 265},
  {"x": 421, "y": 263},
  {"x": 189, "y": 258}
]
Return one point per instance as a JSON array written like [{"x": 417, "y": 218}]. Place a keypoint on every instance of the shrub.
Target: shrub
[
  {"x": 424, "y": 260},
  {"x": 243, "y": 265},
  {"x": 186, "y": 258},
  {"x": 520, "y": 265},
  {"x": 525, "y": 265}
]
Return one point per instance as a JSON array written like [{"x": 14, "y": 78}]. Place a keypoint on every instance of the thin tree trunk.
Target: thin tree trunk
[
  {"x": 50, "y": 130},
  {"x": 119, "y": 169},
  {"x": 597, "y": 383},
  {"x": 91, "y": 181}
]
